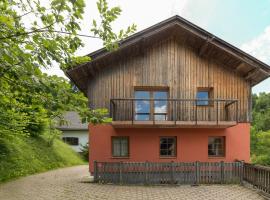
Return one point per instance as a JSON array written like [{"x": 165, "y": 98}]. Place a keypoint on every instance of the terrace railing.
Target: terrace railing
[
  {"x": 182, "y": 110},
  {"x": 258, "y": 176}
]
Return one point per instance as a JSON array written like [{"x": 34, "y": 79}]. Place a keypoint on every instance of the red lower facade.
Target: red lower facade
[{"x": 192, "y": 144}]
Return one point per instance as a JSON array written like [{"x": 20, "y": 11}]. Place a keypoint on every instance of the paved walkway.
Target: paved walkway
[{"x": 66, "y": 184}]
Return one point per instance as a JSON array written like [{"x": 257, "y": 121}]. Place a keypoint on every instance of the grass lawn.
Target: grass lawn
[{"x": 25, "y": 156}]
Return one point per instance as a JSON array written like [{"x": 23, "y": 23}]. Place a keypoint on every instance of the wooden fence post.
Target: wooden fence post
[
  {"x": 197, "y": 174},
  {"x": 172, "y": 172},
  {"x": 256, "y": 176},
  {"x": 222, "y": 172},
  {"x": 120, "y": 173},
  {"x": 242, "y": 171},
  {"x": 146, "y": 173},
  {"x": 95, "y": 171}
]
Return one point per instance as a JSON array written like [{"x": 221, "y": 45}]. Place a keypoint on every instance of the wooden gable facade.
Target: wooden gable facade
[{"x": 175, "y": 57}]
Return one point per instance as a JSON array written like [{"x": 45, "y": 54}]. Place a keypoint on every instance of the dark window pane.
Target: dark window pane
[
  {"x": 163, "y": 152},
  {"x": 216, "y": 146},
  {"x": 170, "y": 140},
  {"x": 74, "y": 141},
  {"x": 163, "y": 146},
  {"x": 120, "y": 147},
  {"x": 168, "y": 146}
]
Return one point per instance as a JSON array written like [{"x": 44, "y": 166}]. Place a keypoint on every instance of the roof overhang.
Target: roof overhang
[{"x": 207, "y": 45}]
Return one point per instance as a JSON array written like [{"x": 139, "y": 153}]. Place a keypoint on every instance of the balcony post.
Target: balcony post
[
  {"x": 174, "y": 111},
  {"x": 111, "y": 116},
  {"x": 237, "y": 112},
  {"x": 132, "y": 110},
  {"x": 196, "y": 119},
  {"x": 217, "y": 112}
]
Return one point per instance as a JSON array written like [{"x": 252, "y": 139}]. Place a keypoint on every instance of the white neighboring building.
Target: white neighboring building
[{"x": 74, "y": 132}]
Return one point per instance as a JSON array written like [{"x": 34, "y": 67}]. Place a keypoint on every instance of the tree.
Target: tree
[
  {"x": 260, "y": 130},
  {"x": 261, "y": 111},
  {"x": 30, "y": 100}
]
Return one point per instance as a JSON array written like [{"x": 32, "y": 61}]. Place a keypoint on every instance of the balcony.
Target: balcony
[{"x": 174, "y": 113}]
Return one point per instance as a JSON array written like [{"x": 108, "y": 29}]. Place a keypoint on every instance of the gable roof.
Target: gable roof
[
  {"x": 207, "y": 44},
  {"x": 73, "y": 122}
]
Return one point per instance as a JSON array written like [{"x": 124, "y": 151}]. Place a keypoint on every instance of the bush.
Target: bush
[{"x": 85, "y": 151}]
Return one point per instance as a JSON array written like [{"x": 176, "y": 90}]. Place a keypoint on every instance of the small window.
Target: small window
[
  {"x": 120, "y": 146},
  {"x": 204, "y": 93},
  {"x": 216, "y": 146},
  {"x": 167, "y": 147},
  {"x": 74, "y": 141}
]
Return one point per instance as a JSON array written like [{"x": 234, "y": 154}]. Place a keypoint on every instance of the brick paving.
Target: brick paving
[{"x": 66, "y": 184}]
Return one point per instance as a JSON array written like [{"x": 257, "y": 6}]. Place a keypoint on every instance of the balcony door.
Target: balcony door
[{"x": 151, "y": 105}]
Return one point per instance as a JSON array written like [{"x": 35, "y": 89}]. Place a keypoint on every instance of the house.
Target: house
[
  {"x": 75, "y": 133},
  {"x": 175, "y": 92}
]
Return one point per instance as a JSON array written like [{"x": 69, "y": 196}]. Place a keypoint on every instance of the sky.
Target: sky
[{"x": 243, "y": 23}]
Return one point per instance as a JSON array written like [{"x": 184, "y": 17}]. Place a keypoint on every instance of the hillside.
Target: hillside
[{"x": 28, "y": 155}]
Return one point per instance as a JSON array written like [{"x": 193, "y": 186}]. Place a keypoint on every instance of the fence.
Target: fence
[
  {"x": 258, "y": 176},
  {"x": 168, "y": 173}
]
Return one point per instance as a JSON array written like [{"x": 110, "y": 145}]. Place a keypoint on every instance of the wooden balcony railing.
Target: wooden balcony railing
[{"x": 174, "y": 111}]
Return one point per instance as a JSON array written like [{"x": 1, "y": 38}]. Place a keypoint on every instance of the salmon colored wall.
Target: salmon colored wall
[{"x": 192, "y": 144}]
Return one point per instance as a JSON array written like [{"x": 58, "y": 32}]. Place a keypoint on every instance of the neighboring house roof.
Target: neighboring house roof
[
  {"x": 73, "y": 122},
  {"x": 206, "y": 43}
]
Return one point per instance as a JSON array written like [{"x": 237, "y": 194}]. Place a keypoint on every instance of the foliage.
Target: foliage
[
  {"x": 261, "y": 111},
  {"x": 21, "y": 156},
  {"x": 260, "y": 147},
  {"x": 85, "y": 151},
  {"x": 38, "y": 34},
  {"x": 260, "y": 131},
  {"x": 104, "y": 30},
  {"x": 35, "y": 35}
]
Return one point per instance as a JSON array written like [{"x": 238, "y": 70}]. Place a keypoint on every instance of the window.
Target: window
[
  {"x": 204, "y": 93},
  {"x": 216, "y": 146},
  {"x": 148, "y": 110},
  {"x": 120, "y": 146},
  {"x": 71, "y": 140},
  {"x": 167, "y": 147}
]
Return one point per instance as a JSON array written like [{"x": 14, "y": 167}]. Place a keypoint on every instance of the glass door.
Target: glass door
[{"x": 151, "y": 105}]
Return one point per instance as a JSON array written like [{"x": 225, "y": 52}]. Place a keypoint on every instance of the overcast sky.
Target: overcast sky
[{"x": 243, "y": 23}]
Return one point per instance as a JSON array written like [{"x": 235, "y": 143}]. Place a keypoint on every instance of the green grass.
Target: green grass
[{"x": 25, "y": 156}]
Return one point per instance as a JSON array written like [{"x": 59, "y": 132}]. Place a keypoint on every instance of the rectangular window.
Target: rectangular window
[
  {"x": 216, "y": 146},
  {"x": 167, "y": 147},
  {"x": 204, "y": 93},
  {"x": 74, "y": 141},
  {"x": 120, "y": 146},
  {"x": 147, "y": 109}
]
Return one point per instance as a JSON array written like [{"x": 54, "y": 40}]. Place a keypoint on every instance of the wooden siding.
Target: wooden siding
[{"x": 176, "y": 65}]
